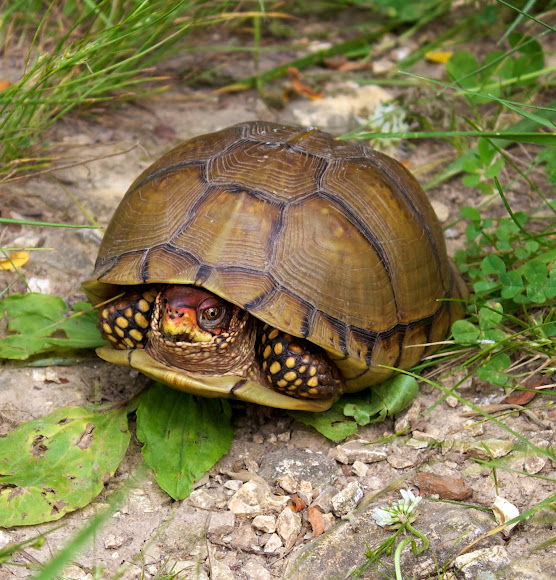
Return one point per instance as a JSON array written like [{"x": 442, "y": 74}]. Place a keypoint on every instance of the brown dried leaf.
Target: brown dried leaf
[
  {"x": 301, "y": 88},
  {"x": 316, "y": 520}
]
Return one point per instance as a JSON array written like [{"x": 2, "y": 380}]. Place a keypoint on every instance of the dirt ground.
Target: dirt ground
[{"x": 214, "y": 533}]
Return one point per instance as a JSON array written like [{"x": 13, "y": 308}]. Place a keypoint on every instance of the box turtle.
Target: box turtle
[{"x": 273, "y": 264}]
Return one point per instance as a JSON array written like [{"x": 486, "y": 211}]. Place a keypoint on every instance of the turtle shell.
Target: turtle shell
[{"x": 324, "y": 239}]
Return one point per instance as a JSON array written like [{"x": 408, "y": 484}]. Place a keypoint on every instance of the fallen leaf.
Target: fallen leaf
[
  {"x": 438, "y": 56},
  {"x": 316, "y": 520},
  {"x": 297, "y": 504},
  {"x": 15, "y": 261},
  {"x": 301, "y": 88},
  {"x": 5, "y": 84}
]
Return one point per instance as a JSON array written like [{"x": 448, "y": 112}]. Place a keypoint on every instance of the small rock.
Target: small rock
[
  {"x": 474, "y": 428},
  {"x": 284, "y": 437},
  {"x": 221, "y": 522},
  {"x": 359, "y": 468},
  {"x": 202, "y": 498},
  {"x": 446, "y": 487},
  {"x": 357, "y": 450},
  {"x": 258, "y": 438},
  {"x": 534, "y": 463},
  {"x": 233, "y": 484},
  {"x": 265, "y": 524},
  {"x": 273, "y": 543},
  {"x": 451, "y": 401},
  {"x": 305, "y": 491},
  {"x": 255, "y": 497},
  {"x": 288, "y": 526},
  {"x": 76, "y": 573},
  {"x": 329, "y": 521},
  {"x": 402, "y": 458},
  {"x": 478, "y": 563},
  {"x": 347, "y": 500},
  {"x": 324, "y": 499},
  {"x": 287, "y": 483},
  {"x": 408, "y": 418},
  {"x": 256, "y": 571},
  {"x": 431, "y": 436},
  {"x": 489, "y": 449},
  {"x": 113, "y": 542},
  {"x": 416, "y": 444},
  {"x": 5, "y": 538},
  {"x": 244, "y": 538}
]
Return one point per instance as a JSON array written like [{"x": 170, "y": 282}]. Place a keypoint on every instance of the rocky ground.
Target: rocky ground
[{"x": 275, "y": 506}]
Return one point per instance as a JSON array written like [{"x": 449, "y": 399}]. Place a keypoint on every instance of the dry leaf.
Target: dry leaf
[
  {"x": 5, "y": 84},
  {"x": 438, "y": 56},
  {"x": 301, "y": 88},
  {"x": 17, "y": 259},
  {"x": 316, "y": 520}
]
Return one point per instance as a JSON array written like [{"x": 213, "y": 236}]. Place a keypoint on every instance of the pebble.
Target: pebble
[
  {"x": 474, "y": 428},
  {"x": 403, "y": 458},
  {"x": 253, "y": 498},
  {"x": 288, "y": 526},
  {"x": 324, "y": 499},
  {"x": 408, "y": 418},
  {"x": 431, "y": 436},
  {"x": 287, "y": 483},
  {"x": 348, "y": 499},
  {"x": 273, "y": 543},
  {"x": 441, "y": 210},
  {"x": 534, "y": 463},
  {"x": 202, "y": 498},
  {"x": 489, "y": 449},
  {"x": 416, "y": 444},
  {"x": 233, "y": 484},
  {"x": 504, "y": 511},
  {"x": 113, "y": 542},
  {"x": 480, "y": 563},
  {"x": 360, "y": 469},
  {"x": 451, "y": 401},
  {"x": 265, "y": 524},
  {"x": 305, "y": 491},
  {"x": 256, "y": 571},
  {"x": 445, "y": 486},
  {"x": 358, "y": 450}
]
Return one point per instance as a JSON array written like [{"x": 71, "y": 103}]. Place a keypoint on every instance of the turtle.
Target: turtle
[{"x": 274, "y": 264}]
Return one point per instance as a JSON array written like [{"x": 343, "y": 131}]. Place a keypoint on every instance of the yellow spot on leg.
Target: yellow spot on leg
[
  {"x": 290, "y": 376},
  {"x": 274, "y": 367},
  {"x": 122, "y": 322},
  {"x": 141, "y": 320},
  {"x": 313, "y": 382},
  {"x": 290, "y": 362}
]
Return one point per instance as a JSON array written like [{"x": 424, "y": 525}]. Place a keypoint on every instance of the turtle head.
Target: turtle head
[{"x": 192, "y": 314}]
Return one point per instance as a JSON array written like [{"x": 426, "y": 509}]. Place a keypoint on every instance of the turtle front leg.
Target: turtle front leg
[
  {"x": 296, "y": 367},
  {"x": 126, "y": 321}
]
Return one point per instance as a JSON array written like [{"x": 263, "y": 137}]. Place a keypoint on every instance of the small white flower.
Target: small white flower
[{"x": 400, "y": 512}]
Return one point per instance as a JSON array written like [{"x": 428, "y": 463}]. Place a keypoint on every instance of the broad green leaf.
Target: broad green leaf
[
  {"x": 370, "y": 406},
  {"x": 41, "y": 323},
  {"x": 512, "y": 284},
  {"x": 183, "y": 436},
  {"x": 59, "y": 463},
  {"x": 471, "y": 214},
  {"x": 465, "y": 332},
  {"x": 332, "y": 423},
  {"x": 493, "y": 264},
  {"x": 490, "y": 317},
  {"x": 535, "y": 271},
  {"x": 492, "y": 370}
]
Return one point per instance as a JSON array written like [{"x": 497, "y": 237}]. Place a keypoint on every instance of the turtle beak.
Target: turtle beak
[{"x": 180, "y": 324}]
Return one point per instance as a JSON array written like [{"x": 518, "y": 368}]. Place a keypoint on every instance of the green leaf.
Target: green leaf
[
  {"x": 465, "y": 332},
  {"x": 512, "y": 284},
  {"x": 40, "y": 323},
  {"x": 492, "y": 370},
  {"x": 490, "y": 317},
  {"x": 59, "y": 463},
  {"x": 183, "y": 436},
  {"x": 471, "y": 214},
  {"x": 370, "y": 406},
  {"x": 332, "y": 423},
  {"x": 493, "y": 264},
  {"x": 535, "y": 272}
]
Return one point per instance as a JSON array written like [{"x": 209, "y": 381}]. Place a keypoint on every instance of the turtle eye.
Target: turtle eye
[{"x": 212, "y": 314}]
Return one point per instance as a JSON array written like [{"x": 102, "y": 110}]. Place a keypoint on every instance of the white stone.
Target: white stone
[
  {"x": 504, "y": 511},
  {"x": 256, "y": 571},
  {"x": 287, "y": 483},
  {"x": 113, "y": 542},
  {"x": 288, "y": 526},
  {"x": 358, "y": 450},
  {"x": 233, "y": 484},
  {"x": 305, "y": 491},
  {"x": 347, "y": 499},
  {"x": 265, "y": 523},
  {"x": 255, "y": 497},
  {"x": 482, "y": 561},
  {"x": 359, "y": 468},
  {"x": 451, "y": 401},
  {"x": 202, "y": 498},
  {"x": 441, "y": 210},
  {"x": 272, "y": 544}
]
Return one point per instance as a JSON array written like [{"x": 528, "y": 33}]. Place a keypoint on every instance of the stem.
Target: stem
[
  {"x": 422, "y": 537},
  {"x": 398, "y": 554}
]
